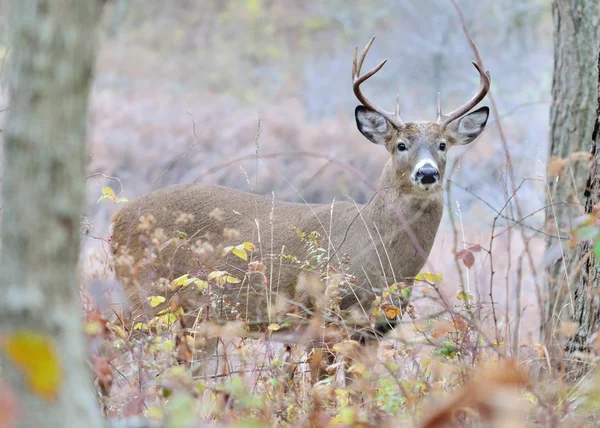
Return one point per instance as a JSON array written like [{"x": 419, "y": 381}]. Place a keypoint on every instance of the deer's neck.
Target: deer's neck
[
  {"x": 393, "y": 201},
  {"x": 407, "y": 224},
  {"x": 394, "y": 208}
]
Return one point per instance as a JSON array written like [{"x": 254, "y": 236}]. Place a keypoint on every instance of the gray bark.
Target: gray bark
[
  {"x": 587, "y": 298},
  {"x": 52, "y": 57},
  {"x": 572, "y": 115}
]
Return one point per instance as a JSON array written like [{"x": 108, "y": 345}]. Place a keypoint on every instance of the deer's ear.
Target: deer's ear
[
  {"x": 372, "y": 125},
  {"x": 468, "y": 127}
]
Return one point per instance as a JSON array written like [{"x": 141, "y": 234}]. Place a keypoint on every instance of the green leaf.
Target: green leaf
[
  {"x": 597, "y": 249},
  {"x": 586, "y": 233},
  {"x": 248, "y": 246},
  {"x": 392, "y": 367}
]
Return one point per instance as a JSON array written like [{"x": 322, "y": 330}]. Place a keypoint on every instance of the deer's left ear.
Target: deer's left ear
[{"x": 468, "y": 127}]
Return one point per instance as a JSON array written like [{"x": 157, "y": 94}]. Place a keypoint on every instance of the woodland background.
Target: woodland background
[
  {"x": 181, "y": 86},
  {"x": 256, "y": 95}
]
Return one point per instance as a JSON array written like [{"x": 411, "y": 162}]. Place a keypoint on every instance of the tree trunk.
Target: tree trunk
[
  {"x": 572, "y": 116},
  {"x": 587, "y": 299},
  {"x": 52, "y": 58}
]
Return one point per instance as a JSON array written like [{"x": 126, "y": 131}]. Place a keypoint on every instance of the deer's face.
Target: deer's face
[{"x": 418, "y": 149}]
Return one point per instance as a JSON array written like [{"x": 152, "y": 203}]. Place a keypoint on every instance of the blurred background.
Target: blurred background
[{"x": 181, "y": 86}]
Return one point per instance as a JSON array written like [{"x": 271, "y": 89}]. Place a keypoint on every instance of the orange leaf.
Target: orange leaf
[
  {"x": 36, "y": 356},
  {"x": 391, "y": 311}
]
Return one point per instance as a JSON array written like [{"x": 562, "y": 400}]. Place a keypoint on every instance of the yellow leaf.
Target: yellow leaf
[
  {"x": 156, "y": 300},
  {"x": 93, "y": 328},
  {"x": 36, "y": 356},
  {"x": 140, "y": 326},
  {"x": 231, "y": 279},
  {"x": 240, "y": 252},
  {"x": 109, "y": 193},
  {"x": 120, "y": 332},
  {"x": 357, "y": 368},
  {"x": 434, "y": 277},
  {"x": 347, "y": 416},
  {"x": 274, "y": 327},
  {"x": 249, "y": 246},
  {"x": 189, "y": 281},
  {"x": 430, "y": 277},
  {"x": 215, "y": 274},
  {"x": 179, "y": 281},
  {"x": 201, "y": 285},
  {"x": 154, "y": 413}
]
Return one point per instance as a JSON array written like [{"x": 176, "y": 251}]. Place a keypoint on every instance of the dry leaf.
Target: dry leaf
[
  {"x": 184, "y": 351},
  {"x": 391, "y": 311},
  {"x": 467, "y": 258},
  {"x": 568, "y": 329},
  {"x": 104, "y": 374},
  {"x": 492, "y": 393},
  {"x": 556, "y": 166}
]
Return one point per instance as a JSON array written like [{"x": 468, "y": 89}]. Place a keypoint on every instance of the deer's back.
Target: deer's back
[{"x": 197, "y": 223}]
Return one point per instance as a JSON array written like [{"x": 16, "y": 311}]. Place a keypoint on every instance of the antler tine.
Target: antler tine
[
  {"x": 484, "y": 87},
  {"x": 357, "y": 80}
]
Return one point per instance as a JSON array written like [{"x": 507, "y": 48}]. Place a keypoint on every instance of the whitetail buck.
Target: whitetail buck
[{"x": 185, "y": 229}]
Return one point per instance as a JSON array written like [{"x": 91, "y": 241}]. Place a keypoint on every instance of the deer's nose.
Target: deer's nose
[{"x": 428, "y": 175}]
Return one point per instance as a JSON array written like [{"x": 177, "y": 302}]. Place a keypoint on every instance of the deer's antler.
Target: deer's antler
[
  {"x": 484, "y": 86},
  {"x": 357, "y": 80}
]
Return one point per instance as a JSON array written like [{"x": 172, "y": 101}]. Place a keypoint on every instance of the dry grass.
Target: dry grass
[{"x": 449, "y": 362}]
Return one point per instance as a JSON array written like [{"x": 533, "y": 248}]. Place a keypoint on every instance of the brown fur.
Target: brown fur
[
  {"x": 366, "y": 248},
  {"x": 366, "y": 242}
]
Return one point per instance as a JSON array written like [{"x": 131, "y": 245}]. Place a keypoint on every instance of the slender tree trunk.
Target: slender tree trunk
[
  {"x": 572, "y": 116},
  {"x": 52, "y": 58},
  {"x": 587, "y": 296}
]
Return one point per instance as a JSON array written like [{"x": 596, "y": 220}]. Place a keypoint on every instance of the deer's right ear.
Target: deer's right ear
[{"x": 371, "y": 124}]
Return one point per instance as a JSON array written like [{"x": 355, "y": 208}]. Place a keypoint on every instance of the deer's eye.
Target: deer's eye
[
  {"x": 443, "y": 147},
  {"x": 401, "y": 147}
]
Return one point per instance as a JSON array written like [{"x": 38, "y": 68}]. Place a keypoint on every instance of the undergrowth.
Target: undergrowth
[{"x": 448, "y": 360}]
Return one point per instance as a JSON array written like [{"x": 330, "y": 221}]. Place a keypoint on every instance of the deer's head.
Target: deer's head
[{"x": 418, "y": 149}]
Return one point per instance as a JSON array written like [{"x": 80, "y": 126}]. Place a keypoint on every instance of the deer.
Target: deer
[{"x": 193, "y": 231}]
